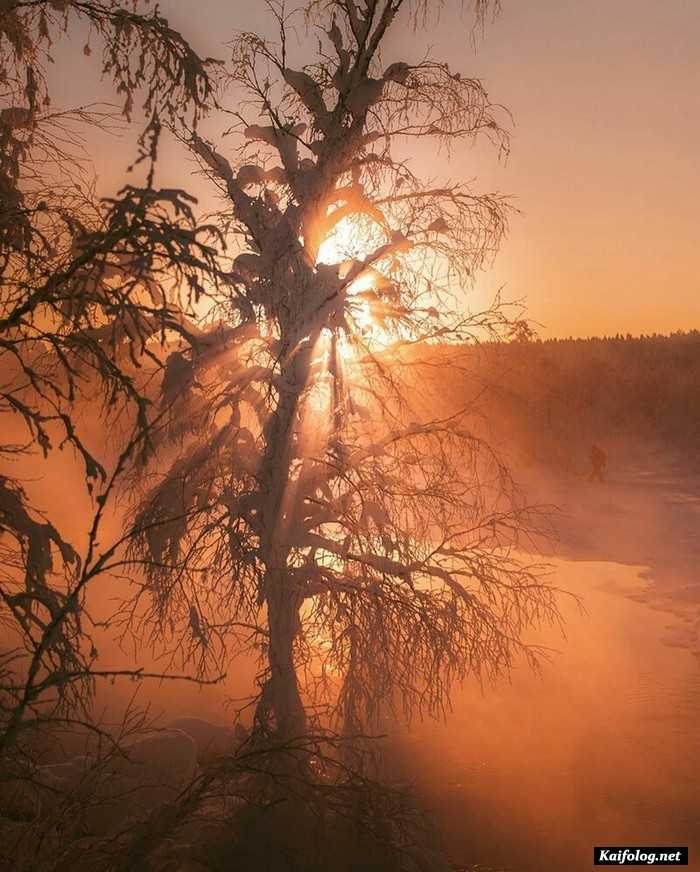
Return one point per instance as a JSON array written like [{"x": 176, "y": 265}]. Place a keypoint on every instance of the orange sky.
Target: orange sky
[{"x": 605, "y": 97}]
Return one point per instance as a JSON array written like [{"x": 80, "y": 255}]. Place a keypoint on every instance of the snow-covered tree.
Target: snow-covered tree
[
  {"x": 87, "y": 287},
  {"x": 318, "y": 509}
]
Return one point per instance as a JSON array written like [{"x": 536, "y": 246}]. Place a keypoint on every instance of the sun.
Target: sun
[
  {"x": 348, "y": 240},
  {"x": 352, "y": 240}
]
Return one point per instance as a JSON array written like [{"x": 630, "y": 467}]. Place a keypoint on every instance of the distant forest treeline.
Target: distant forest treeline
[{"x": 549, "y": 400}]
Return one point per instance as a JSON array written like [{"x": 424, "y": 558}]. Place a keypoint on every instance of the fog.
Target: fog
[{"x": 601, "y": 747}]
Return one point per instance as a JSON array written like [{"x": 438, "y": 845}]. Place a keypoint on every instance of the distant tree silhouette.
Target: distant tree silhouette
[{"x": 561, "y": 395}]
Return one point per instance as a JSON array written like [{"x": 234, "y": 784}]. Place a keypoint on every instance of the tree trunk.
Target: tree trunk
[
  {"x": 283, "y": 688},
  {"x": 281, "y": 694}
]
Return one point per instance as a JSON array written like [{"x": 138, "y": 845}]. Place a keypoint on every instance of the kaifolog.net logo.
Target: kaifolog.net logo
[{"x": 619, "y": 856}]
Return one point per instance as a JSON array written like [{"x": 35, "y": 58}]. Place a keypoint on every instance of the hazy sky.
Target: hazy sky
[{"x": 605, "y": 98}]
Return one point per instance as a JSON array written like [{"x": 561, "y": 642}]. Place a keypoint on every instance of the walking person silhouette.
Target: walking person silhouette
[{"x": 599, "y": 460}]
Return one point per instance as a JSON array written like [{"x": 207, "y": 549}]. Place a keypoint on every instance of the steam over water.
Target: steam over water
[{"x": 602, "y": 748}]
